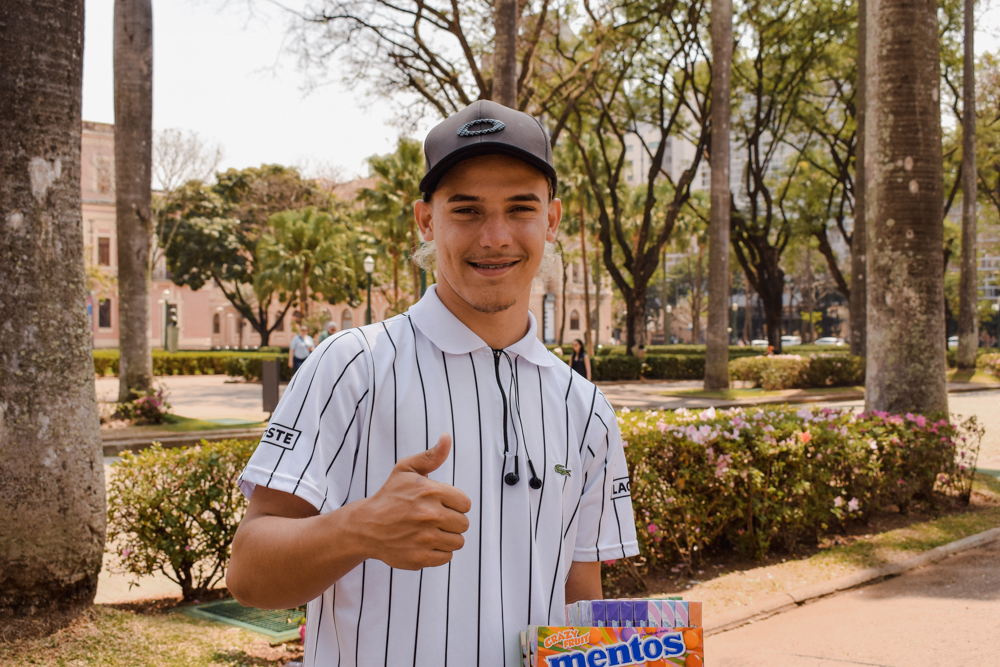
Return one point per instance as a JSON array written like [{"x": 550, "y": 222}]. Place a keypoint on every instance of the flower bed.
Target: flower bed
[
  {"x": 792, "y": 371},
  {"x": 990, "y": 363},
  {"x": 759, "y": 479}
]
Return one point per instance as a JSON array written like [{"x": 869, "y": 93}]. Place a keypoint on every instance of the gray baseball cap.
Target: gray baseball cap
[{"x": 486, "y": 128}]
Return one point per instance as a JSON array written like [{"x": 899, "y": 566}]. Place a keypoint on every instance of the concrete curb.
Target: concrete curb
[
  {"x": 776, "y": 604},
  {"x": 115, "y": 446}
]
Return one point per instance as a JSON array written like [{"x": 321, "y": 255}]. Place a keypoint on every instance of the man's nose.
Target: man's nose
[{"x": 495, "y": 232}]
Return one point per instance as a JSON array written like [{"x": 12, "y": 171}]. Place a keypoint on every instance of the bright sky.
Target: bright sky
[{"x": 225, "y": 75}]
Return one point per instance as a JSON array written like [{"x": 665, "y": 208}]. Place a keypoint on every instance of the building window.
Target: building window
[
  {"x": 104, "y": 251},
  {"x": 346, "y": 320},
  {"x": 576, "y": 272},
  {"x": 574, "y": 321},
  {"x": 104, "y": 314},
  {"x": 216, "y": 324}
]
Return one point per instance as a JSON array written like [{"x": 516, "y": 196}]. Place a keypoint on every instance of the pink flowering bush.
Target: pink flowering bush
[
  {"x": 176, "y": 511},
  {"x": 148, "y": 407},
  {"x": 769, "y": 477},
  {"x": 990, "y": 363}
]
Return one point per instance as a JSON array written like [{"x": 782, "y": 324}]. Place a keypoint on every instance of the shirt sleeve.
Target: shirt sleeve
[
  {"x": 308, "y": 448},
  {"x": 607, "y": 525}
]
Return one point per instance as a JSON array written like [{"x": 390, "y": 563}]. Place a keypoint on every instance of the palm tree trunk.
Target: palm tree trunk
[
  {"x": 133, "y": 64},
  {"x": 586, "y": 285},
  {"x": 505, "y": 53},
  {"x": 717, "y": 338},
  {"x": 52, "y": 512},
  {"x": 968, "y": 321},
  {"x": 906, "y": 338},
  {"x": 857, "y": 302}
]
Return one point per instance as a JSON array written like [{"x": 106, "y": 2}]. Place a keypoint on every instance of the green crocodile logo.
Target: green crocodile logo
[{"x": 563, "y": 470}]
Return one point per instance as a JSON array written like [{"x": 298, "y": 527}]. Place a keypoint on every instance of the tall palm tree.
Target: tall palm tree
[
  {"x": 52, "y": 523},
  {"x": 968, "y": 317},
  {"x": 717, "y": 335},
  {"x": 859, "y": 237},
  {"x": 307, "y": 252},
  {"x": 388, "y": 208},
  {"x": 906, "y": 360},
  {"x": 505, "y": 53},
  {"x": 133, "y": 63}
]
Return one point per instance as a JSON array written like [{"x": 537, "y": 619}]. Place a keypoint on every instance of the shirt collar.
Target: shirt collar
[{"x": 448, "y": 332}]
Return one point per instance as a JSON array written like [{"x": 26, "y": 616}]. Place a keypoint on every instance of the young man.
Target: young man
[{"x": 433, "y": 484}]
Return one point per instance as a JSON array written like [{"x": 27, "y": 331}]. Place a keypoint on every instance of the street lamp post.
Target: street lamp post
[
  {"x": 736, "y": 310},
  {"x": 666, "y": 325},
  {"x": 369, "y": 264}
]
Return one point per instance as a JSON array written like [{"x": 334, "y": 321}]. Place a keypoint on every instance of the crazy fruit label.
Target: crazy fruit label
[{"x": 617, "y": 647}]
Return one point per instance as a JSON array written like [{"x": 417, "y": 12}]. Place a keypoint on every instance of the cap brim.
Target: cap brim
[{"x": 430, "y": 181}]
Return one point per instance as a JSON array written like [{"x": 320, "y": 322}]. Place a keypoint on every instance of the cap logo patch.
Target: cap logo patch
[{"x": 467, "y": 131}]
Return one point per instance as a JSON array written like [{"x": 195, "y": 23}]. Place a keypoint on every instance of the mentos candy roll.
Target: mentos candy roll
[
  {"x": 598, "y": 614},
  {"x": 654, "y": 615},
  {"x": 667, "y": 619},
  {"x": 625, "y": 613},
  {"x": 640, "y": 613},
  {"x": 694, "y": 614},
  {"x": 612, "y": 611}
]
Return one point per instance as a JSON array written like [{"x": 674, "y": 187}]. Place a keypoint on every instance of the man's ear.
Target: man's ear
[
  {"x": 423, "y": 214},
  {"x": 555, "y": 216}
]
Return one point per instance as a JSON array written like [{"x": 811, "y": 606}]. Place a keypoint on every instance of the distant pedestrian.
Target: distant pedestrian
[
  {"x": 328, "y": 331},
  {"x": 580, "y": 360},
  {"x": 302, "y": 345}
]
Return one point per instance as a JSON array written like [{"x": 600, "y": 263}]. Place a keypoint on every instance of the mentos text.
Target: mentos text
[{"x": 635, "y": 652}]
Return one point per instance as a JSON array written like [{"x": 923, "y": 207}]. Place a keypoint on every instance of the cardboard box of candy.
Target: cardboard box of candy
[{"x": 613, "y": 633}]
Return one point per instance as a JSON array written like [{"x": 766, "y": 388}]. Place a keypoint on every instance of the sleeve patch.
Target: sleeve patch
[
  {"x": 621, "y": 487},
  {"x": 281, "y": 436}
]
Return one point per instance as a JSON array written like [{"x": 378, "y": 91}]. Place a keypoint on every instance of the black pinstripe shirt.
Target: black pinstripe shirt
[{"x": 369, "y": 396}]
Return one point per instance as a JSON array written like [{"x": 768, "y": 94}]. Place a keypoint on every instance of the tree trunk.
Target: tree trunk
[
  {"x": 717, "y": 338},
  {"x": 906, "y": 355},
  {"x": 304, "y": 291},
  {"x": 133, "y": 65},
  {"x": 52, "y": 510},
  {"x": 588, "y": 340},
  {"x": 597, "y": 296},
  {"x": 505, "y": 53},
  {"x": 635, "y": 319},
  {"x": 565, "y": 278},
  {"x": 748, "y": 315},
  {"x": 414, "y": 242},
  {"x": 968, "y": 321},
  {"x": 857, "y": 300}
]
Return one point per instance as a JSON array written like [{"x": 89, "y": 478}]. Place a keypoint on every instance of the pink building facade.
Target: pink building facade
[{"x": 206, "y": 319}]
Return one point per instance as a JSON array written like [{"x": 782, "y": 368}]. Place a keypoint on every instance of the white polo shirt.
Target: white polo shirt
[{"x": 372, "y": 395}]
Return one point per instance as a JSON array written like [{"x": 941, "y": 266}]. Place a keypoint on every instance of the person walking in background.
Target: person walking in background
[
  {"x": 328, "y": 331},
  {"x": 579, "y": 361},
  {"x": 302, "y": 345}
]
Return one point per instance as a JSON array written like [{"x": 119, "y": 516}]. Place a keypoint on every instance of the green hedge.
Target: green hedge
[
  {"x": 951, "y": 356},
  {"x": 236, "y": 363},
  {"x": 790, "y": 371}
]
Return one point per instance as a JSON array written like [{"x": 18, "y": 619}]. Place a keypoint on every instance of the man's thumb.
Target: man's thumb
[{"x": 428, "y": 461}]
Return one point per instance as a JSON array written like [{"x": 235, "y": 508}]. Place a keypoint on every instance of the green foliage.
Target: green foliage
[
  {"x": 213, "y": 232},
  {"x": 792, "y": 371},
  {"x": 760, "y": 479},
  {"x": 193, "y": 363},
  {"x": 990, "y": 363},
  {"x": 673, "y": 367},
  {"x": 251, "y": 368},
  {"x": 176, "y": 511},
  {"x": 608, "y": 369},
  {"x": 307, "y": 253}
]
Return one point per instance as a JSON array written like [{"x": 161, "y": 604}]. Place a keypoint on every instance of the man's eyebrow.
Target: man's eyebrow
[
  {"x": 531, "y": 196},
  {"x": 461, "y": 198}
]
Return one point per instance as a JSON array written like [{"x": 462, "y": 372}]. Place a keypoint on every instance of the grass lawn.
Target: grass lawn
[
  {"x": 109, "y": 637},
  {"x": 978, "y": 377},
  {"x": 177, "y": 424},
  {"x": 745, "y": 394}
]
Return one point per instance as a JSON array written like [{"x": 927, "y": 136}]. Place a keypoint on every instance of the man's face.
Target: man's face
[
  {"x": 302, "y": 331},
  {"x": 489, "y": 218}
]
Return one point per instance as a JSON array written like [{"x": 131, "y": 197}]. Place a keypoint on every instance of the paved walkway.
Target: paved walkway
[{"x": 943, "y": 614}]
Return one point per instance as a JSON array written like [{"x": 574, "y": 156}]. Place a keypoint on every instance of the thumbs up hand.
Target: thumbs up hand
[{"x": 413, "y": 522}]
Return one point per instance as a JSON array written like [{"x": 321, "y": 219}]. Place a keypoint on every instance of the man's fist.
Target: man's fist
[{"x": 413, "y": 522}]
